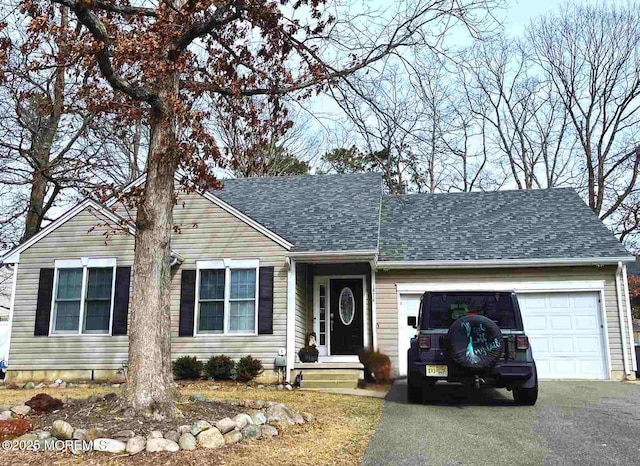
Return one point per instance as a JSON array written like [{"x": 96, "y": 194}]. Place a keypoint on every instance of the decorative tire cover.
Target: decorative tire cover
[{"x": 475, "y": 342}]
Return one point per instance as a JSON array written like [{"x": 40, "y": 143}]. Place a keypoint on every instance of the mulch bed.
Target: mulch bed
[{"x": 108, "y": 415}]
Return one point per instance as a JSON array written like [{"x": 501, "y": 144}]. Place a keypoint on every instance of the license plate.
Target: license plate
[{"x": 437, "y": 371}]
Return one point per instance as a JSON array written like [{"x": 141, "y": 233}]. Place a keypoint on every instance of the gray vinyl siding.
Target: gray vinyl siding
[
  {"x": 207, "y": 232},
  {"x": 303, "y": 309},
  {"x": 387, "y": 303}
]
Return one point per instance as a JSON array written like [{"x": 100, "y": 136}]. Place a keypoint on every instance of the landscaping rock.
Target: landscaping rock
[
  {"x": 30, "y": 385},
  {"x": 308, "y": 417},
  {"x": 268, "y": 431},
  {"x": 225, "y": 425},
  {"x": 80, "y": 434},
  {"x": 5, "y": 415},
  {"x": 282, "y": 413},
  {"x": 161, "y": 444},
  {"x": 124, "y": 434},
  {"x": 13, "y": 427},
  {"x": 199, "y": 426},
  {"x": 187, "y": 441},
  {"x": 40, "y": 386},
  {"x": 43, "y": 403},
  {"x": 41, "y": 434},
  {"x": 197, "y": 397},
  {"x": 53, "y": 385},
  {"x": 251, "y": 432},
  {"x": 249, "y": 404},
  {"x": 12, "y": 386},
  {"x": 58, "y": 381},
  {"x": 62, "y": 385},
  {"x": 95, "y": 433},
  {"x": 155, "y": 434},
  {"x": 110, "y": 396},
  {"x": 26, "y": 438},
  {"x": 172, "y": 435},
  {"x": 259, "y": 418},
  {"x": 232, "y": 437},
  {"x": 280, "y": 387},
  {"x": 210, "y": 438},
  {"x": 21, "y": 410},
  {"x": 109, "y": 445},
  {"x": 135, "y": 445},
  {"x": 184, "y": 429},
  {"x": 242, "y": 420},
  {"x": 95, "y": 398},
  {"x": 259, "y": 404},
  {"x": 62, "y": 430}
]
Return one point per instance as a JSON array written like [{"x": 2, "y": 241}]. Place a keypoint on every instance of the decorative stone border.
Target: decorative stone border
[{"x": 267, "y": 420}]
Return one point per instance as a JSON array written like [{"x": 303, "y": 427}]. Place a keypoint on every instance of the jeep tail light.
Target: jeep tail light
[
  {"x": 522, "y": 342},
  {"x": 424, "y": 341}
]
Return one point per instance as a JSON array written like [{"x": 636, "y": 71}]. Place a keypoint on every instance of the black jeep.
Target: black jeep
[{"x": 471, "y": 338}]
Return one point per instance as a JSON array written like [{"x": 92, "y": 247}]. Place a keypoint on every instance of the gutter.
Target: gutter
[
  {"x": 461, "y": 264},
  {"x": 625, "y": 349},
  {"x": 365, "y": 255}
]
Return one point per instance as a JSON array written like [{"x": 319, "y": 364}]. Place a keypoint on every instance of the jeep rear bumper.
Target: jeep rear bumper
[{"x": 503, "y": 374}]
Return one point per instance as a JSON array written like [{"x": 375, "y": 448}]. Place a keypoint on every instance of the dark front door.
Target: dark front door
[{"x": 346, "y": 316}]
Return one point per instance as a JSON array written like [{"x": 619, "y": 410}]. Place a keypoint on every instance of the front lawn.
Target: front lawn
[{"x": 338, "y": 436}]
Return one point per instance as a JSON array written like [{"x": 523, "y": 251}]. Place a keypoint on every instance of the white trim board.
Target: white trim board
[{"x": 500, "y": 263}]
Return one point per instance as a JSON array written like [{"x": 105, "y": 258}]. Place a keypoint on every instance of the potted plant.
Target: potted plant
[{"x": 309, "y": 353}]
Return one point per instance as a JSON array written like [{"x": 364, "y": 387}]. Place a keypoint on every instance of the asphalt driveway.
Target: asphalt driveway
[{"x": 572, "y": 423}]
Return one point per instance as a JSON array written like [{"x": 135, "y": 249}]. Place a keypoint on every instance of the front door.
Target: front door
[{"x": 346, "y": 316}]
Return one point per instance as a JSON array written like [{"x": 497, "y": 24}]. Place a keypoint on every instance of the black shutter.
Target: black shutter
[
  {"x": 265, "y": 301},
  {"x": 43, "y": 306},
  {"x": 187, "y": 302},
  {"x": 121, "y": 301}
]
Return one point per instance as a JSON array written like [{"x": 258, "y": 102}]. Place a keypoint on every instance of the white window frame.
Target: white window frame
[
  {"x": 227, "y": 265},
  {"x": 83, "y": 263}
]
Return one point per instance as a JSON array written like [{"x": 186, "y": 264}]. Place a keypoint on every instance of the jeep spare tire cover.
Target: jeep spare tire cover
[{"x": 475, "y": 342}]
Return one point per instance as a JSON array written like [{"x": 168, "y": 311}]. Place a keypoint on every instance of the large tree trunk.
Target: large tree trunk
[
  {"x": 150, "y": 388},
  {"x": 35, "y": 210}
]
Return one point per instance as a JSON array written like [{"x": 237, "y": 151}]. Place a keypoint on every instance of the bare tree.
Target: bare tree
[
  {"x": 273, "y": 151},
  {"x": 591, "y": 55},
  {"x": 52, "y": 149},
  {"x": 522, "y": 117}
]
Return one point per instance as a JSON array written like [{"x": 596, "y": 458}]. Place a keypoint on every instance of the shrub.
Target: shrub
[
  {"x": 377, "y": 366},
  {"x": 248, "y": 368},
  {"x": 187, "y": 368},
  {"x": 219, "y": 367}
]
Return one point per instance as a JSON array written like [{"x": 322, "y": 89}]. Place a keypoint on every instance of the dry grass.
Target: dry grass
[{"x": 339, "y": 435}]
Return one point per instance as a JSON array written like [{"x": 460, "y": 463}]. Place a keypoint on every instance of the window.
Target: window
[
  {"x": 83, "y": 298},
  {"x": 227, "y": 296}
]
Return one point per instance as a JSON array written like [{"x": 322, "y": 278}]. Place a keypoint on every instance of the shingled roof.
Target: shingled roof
[
  {"x": 537, "y": 224},
  {"x": 315, "y": 213}
]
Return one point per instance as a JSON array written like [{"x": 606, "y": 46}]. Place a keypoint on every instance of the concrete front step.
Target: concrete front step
[
  {"x": 332, "y": 374},
  {"x": 329, "y": 383}
]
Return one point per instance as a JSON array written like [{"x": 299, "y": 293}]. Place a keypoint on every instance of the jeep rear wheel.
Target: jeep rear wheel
[
  {"x": 526, "y": 396},
  {"x": 414, "y": 391}
]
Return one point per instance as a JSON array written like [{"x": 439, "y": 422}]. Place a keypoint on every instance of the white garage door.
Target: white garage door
[
  {"x": 565, "y": 331},
  {"x": 566, "y": 334},
  {"x": 409, "y": 304}
]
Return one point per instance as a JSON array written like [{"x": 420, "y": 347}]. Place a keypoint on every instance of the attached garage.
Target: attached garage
[{"x": 571, "y": 315}]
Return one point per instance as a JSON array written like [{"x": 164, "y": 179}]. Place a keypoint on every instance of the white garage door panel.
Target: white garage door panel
[{"x": 565, "y": 333}]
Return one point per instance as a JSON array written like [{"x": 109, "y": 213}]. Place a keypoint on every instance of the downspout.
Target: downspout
[
  {"x": 625, "y": 284},
  {"x": 625, "y": 350},
  {"x": 291, "y": 317},
  {"x": 11, "y": 308},
  {"x": 374, "y": 306}
]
